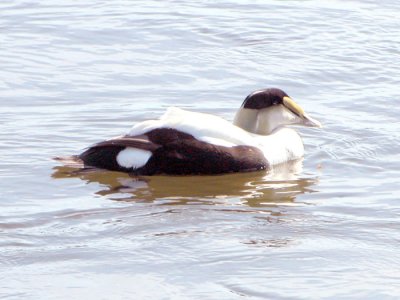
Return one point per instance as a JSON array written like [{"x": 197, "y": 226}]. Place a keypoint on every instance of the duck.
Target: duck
[{"x": 183, "y": 142}]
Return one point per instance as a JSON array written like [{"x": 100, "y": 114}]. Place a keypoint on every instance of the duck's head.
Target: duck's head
[{"x": 265, "y": 110}]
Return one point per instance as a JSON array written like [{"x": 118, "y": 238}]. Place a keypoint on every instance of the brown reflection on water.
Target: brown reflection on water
[{"x": 278, "y": 187}]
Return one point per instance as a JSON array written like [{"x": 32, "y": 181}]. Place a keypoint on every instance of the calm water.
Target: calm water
[{"x": 73, "y": 73}]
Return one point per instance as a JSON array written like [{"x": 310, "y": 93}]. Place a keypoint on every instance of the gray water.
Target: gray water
[{"x": 76, "y": 72}]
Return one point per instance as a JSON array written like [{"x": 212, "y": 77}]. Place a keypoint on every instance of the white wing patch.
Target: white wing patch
[{"x": 133, "y": 158}]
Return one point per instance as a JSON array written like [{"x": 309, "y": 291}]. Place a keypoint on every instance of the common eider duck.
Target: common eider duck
[{"x": 183, "y": 142}]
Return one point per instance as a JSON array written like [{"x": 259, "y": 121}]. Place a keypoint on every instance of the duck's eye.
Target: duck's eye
[{"x": 276, "y": 101}]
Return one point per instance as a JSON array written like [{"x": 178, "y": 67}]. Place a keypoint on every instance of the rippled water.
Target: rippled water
[{"x": 73, "y": 73}]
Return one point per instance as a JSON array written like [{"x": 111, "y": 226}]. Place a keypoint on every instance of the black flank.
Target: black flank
[
  {"x": 103, "y": 158},
  {"x": 175, "y": 152}
]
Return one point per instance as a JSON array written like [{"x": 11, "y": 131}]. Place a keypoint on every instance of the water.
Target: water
[{"x": 74, "y": 73}]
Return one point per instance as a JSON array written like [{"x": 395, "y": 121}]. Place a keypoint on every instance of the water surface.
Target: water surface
[{"x": 73, "y": 73}]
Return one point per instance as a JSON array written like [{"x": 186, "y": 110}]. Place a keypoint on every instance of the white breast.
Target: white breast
[{"x": 283, "y": 145}]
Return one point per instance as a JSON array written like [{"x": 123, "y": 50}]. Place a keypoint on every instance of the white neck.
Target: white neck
[{"x": 264, "y": 121}]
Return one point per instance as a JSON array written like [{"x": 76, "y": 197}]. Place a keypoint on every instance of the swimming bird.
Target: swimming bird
[{"x": 183, "y": 142}]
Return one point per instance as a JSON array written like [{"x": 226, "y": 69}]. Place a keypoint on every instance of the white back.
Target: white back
[{"x": 204, "y": 127}]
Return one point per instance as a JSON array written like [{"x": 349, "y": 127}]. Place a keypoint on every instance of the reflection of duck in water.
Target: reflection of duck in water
[
  {"x": 281, "y": 186},
  {"x": 183, "y": 142}
]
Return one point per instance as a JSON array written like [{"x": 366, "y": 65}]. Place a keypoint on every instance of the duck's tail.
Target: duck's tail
[{"x": 72, "y": 161}]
